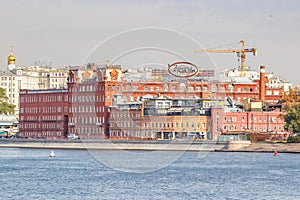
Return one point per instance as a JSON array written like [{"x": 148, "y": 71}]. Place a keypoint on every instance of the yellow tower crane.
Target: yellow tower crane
[{"x": 240, "y": 53}]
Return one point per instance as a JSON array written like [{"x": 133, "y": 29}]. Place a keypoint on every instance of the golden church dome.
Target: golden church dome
[{"x": 11, "y": 58}]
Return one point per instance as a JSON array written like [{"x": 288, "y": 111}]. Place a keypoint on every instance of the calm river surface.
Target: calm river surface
[{"x": 32, "y": 174}]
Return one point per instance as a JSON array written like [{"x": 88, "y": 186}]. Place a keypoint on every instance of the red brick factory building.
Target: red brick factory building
[{"x": 83, "y": 108}]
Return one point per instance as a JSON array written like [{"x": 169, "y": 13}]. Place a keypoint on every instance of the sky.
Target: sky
[{"x": 73, "y": 32}]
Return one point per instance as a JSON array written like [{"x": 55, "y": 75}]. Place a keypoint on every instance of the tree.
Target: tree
[
  {"x": 291, "y": 98},
  {"x": 292, "y": 119},
  {"x": 5, "y": 107},
  {"x": 291, "y": 108}
]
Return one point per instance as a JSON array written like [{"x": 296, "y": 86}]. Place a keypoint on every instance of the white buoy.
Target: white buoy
[{"x": 52, "y": 154}]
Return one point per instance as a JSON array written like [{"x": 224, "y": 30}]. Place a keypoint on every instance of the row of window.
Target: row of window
[
  {"x": 45, "y": 98},
  {"x": 255, "y": 119},
  {"x": 45, "y": 109},
  {"x": 122, "y": 115},
  {"x": 159, "y": 124},
  {"x": 260, "y": 128},
  {"x": 87, "y": 109},
  {"x": 4, "y": 84},
  {"x": 88, "y": 130},
  {"x": 275, "y": 92},
  {"x": 59, "y": 74},
  {"x": 181, "y": 88},
  {"x": 5, "y": 78},
  {"x": 58, "y": 80},
  {"x": 131, "y": 133},
  {"x": 87, "y": 88},
  {"x": 166, "y": 88},
  {"x": 83, "y": 99},
  {"x": 142, "y": 134},
  {"x": 44, "y": 125},
  {"x": 41, "y": 134},
  {"x": 86, "y": 120},
  {"x": 245, "y": 90}
]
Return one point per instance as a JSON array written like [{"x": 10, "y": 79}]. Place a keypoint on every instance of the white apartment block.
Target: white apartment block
[
  {"x": 274, "y": 81},
  {"x": 36, "y": 78}
]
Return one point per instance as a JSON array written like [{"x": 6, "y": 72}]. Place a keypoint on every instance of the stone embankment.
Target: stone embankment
[
  {"x": 175, "y": 145},
  {"x": 271, "y": 147}
]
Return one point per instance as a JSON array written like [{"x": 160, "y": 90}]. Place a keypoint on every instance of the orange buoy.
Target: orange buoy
[{"x": 275, "y": 153}]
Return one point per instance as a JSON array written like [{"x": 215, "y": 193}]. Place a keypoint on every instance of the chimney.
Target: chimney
[{"x": 262, "y": 84}]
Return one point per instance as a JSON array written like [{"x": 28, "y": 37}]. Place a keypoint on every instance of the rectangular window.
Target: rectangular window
[
  {"x": 213, "y": 88},
  {"x": 166, "y": 88},
  {"x": 269, "y": 92}
]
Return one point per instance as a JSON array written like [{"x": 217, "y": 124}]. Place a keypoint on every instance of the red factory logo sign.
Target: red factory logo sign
[{"x": 183, "y": 69}]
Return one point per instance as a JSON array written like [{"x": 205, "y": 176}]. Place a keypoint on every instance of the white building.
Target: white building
[
  {"x": 250, "y": 73},
  {"x": 274, "y": 81},
  {"x": 15, "y": 78},
  {"x": 277, "y": 82},
  {"x": 42, "y": 78}
]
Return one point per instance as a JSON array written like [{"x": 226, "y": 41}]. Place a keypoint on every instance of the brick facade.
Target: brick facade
[
  {"x": 44, "y": 113},
  {"x": 84, "y": 108}
]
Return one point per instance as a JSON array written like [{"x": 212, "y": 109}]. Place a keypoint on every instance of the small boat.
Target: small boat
[
  {"x": 275, "y": 153},
  {"x": 52, "y": 154}
]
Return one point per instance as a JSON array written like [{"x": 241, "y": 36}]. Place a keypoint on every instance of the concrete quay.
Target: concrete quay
[
  {"x": 174, "y": 145},
  {"x": 271, "y": 147}
]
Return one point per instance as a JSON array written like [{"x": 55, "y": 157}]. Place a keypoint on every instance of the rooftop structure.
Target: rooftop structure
[
  {"x": 15, "y": 78},
  {"x": 274, "y": 81}
]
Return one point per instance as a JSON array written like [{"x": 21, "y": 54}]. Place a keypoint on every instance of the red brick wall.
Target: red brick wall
[{"x": 44, "y": 114}]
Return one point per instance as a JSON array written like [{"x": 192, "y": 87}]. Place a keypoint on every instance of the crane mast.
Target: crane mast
[{"x": 240, "y": 53}]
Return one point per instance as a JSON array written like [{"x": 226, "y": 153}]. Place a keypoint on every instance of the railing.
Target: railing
[{"x": 225, "y": 138}]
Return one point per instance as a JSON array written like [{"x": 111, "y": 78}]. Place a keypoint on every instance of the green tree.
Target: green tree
[
  {"x": 292, "y": 118},
  {"x": 291, "y": 109},
  {"x": 5, "y": 108}
]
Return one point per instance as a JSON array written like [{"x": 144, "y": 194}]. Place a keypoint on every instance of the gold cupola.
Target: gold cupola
[{"x": 11, "y": 58}]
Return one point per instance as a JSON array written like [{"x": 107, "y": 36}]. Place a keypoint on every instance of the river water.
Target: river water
[{"x": 32, "y": 174}]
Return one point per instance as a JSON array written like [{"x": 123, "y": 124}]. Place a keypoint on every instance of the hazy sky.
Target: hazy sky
[{"x": 64, "y": 32}]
